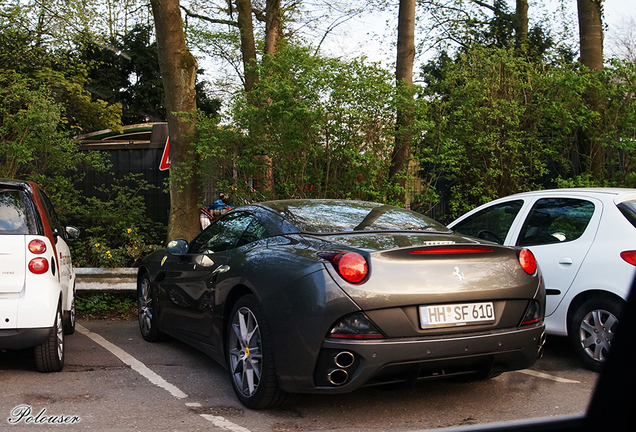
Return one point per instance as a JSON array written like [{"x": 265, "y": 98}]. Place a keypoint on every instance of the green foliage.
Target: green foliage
[
  {"x": 116, "y": 232},
  {"x": 106, "y": 305},
  {"x": 33, "y": 147},
  {"x": 43, "y": 56},
  {"x": 504, "y": 124},
  {"x": 125, "y": 71},
  {"x": 321, "y": 123}
]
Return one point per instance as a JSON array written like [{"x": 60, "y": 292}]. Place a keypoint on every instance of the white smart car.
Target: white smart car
[
  {"x": 585, "y": 243},
  {"x": 37, "y": 282}
]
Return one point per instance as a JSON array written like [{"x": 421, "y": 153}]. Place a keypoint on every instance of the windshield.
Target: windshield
[{"x": 330, "y": 216}]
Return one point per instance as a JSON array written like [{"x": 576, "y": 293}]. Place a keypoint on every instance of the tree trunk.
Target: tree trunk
[
  {"x": 272, "y": 26},
  {"x": 178, "y": 71},
  {"x": 521, "y": 22},
  {"x": 248, "y": 46},
  {"x": 404, "y": 79},
  {"x": 591, "y": 33},
  {"x": 591, "y": 48}
]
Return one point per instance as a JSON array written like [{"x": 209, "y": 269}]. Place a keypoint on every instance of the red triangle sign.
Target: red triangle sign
[{"x": 165, "y": 158}]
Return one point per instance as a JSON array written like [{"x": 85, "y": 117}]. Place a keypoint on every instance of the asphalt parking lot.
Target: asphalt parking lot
[{"x": 114, "y": 380}]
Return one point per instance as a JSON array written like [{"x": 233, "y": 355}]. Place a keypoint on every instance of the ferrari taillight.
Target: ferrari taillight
[
  {"x": 38, "y": 265},
  {"x": 351, "y": 266},
  {"x": 527, "y": 261}
]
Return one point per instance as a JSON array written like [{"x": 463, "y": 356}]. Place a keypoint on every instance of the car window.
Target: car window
[
  {"x": 555, "y": 220},
  {"x": 628, "y": 209},
  {"x": 221, "y": 235},
  {"x": 332, "y": 216},
  {"x": 496, "y": 219},
  {"x": 17, "y": 213},
  {"x": 254, "y": 232},
  {"x": 50, "y": 213}
]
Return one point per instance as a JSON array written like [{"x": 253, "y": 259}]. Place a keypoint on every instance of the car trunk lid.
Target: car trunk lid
[
  {"x": 12, "y": 263},
  {"x": 438, "y": 269}
]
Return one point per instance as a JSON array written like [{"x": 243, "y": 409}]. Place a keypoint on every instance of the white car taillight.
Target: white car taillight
[
  {"x": 37, "y": 247},
  {"x": 629, "y": 257},
  {"x": 38, "y": 265}
]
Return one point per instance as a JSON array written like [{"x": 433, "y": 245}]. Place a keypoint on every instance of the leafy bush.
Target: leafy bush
[
  {"x": 106, "y": 305},
  {"x": 323, "y": 126},
  {"x": 116, "y": 231}
]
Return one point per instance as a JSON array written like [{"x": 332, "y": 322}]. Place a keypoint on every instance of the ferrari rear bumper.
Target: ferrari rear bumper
[{"x": 344, "y": 366}]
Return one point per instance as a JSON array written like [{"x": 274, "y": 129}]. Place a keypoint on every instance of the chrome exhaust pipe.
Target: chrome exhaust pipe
[
  {"x": 344, "y": 359},
  {"x": 541, "y": 344},
  {"x": 338, "y": 377}
]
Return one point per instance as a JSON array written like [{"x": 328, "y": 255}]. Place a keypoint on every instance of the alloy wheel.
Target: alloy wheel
[
  {"x": 246, "y": 358},
  {"x": 596, "y": 333},
  {"x": 145, "y": 307}
]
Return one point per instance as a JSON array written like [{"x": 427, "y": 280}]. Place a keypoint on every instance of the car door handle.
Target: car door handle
[{"x": 565, "y": 260}]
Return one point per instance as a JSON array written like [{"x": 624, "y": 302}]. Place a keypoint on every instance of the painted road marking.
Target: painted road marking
[
  {"x": 135, "y": 364},
  {"x": 547, "y": 376},
  {"x": 157, "y": 380}
]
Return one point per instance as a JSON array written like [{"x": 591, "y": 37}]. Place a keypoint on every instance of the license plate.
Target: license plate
[{"x": 456, "y": 314}]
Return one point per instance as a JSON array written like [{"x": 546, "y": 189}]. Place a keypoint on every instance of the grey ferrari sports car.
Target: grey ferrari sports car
[{"x": 326, "y": 296}]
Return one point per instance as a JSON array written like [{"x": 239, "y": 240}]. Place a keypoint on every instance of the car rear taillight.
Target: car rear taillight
[
  {"x": 629, "y": 257},
  {"x": 351, "y": 266},
  {"x": 38, "y": 265},
  {"x": 37, "y": 247},
  {"x": 356, "y": 326},
  {"x": 527, "y": 261},
  {"x": 452, "y": 250},
  {"x": 533, "y": 315}
]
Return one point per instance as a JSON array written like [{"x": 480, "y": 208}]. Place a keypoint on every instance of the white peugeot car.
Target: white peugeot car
[
  {"x": 37, "y": 282},
  {"x": 585, "y": 243}
]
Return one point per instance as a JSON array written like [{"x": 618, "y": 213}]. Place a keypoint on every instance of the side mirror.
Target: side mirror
[
  {"x": 177, "y": 247},
  {"x": 72, "y": 233}
]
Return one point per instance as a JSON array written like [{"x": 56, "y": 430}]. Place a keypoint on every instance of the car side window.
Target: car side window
[
  {"x": 221, "y": 235},
  {"x": 496, "y": 219},
  {"x": 555, "y": 220},
  {"x": 50, "y": 213},
  {"x": 254, "y": 232}
]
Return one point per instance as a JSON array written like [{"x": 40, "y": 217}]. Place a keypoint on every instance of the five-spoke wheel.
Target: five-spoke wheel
[
  {"x": 146, "y": 307},
  {"x": 249, "y": 356}
]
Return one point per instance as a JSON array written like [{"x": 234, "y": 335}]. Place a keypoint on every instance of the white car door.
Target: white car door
[{"x": 559, "y": 231}]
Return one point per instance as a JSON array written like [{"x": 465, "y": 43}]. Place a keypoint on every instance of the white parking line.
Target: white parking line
[
  {"x": 133, "y": 363},
  {"x": 224, "y": 424},
  {"x": 142, "y": 369},
  {"x": 547, "y": 376},
  {"x": 156, "y": 379}
]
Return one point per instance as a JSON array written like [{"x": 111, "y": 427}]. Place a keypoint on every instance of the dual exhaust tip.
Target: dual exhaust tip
[{"x": 340, "y": 376}]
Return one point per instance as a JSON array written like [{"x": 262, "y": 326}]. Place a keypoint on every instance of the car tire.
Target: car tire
[
  {"x": 250, "y": 357},
  {"x": 147, "y": 307},
  {"x": 593, "y": 328},
  {"x": 69, "y": 321},
  {"x": 49, "y": 355}
]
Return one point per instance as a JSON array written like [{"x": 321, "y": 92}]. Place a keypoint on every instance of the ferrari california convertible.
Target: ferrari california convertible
[{"x": 326, "y": 296}]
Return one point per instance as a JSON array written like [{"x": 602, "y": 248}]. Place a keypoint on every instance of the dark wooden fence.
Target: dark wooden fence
[{"x": 137, "y": 151}]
